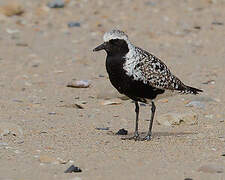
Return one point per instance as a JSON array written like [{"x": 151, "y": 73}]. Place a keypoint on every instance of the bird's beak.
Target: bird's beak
[{"x": 100, "y": 47}]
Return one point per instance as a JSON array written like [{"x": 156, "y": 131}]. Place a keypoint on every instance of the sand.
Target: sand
[{"x": 43, "y": 132}]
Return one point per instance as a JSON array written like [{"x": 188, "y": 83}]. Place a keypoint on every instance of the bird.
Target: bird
[{"x": 139, "y": 75}]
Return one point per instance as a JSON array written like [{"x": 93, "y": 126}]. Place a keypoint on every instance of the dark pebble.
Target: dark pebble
[
  {"x": 56, "y": 4},
  {"x": 188, "y": 179},
  {"x": 217, "y": 23},
  {"x": 150, "y": 3},
  {"x": 223, "y": 155},
  {"x": 73, "y": 168},
  {"x": 122, "y": 132},
  {"x": 17, "y": 100},
  {"x": 22, "y": 44},
  {"x": 52, "y": 113},
  {"x": 73, "y": 24},
  {"x": 197, "y": 27},
  {"x": 104, "y": 129}
]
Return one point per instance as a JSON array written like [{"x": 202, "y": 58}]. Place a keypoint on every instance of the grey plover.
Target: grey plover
[{"x": 139, "y": 75}]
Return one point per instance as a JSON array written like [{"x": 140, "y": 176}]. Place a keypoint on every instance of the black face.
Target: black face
[{"x": 114, "y": 46}]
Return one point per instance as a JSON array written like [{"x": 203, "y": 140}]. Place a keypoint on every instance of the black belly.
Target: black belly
[{"x": 136, "y": 90}]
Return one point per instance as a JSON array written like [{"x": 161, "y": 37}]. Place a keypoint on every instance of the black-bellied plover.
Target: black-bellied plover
[{"x": 139, "y": 75}]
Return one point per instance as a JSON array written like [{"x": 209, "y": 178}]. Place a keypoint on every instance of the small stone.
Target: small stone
[
  {"x": 209, "y": 82},
  {"x": 22, "y": 44},
  {"x": 197, "y": 104},
  {"x": 197, "y": 27},
  {"x": 223, "y": 155},
  {"x": 79, "y": 84},
  {"x": 211, "y": 169},
  {"x": 173, "y": 118},
  {"x": 52, "y": 113},
  {"x": 12, "y": 9},
  {"x": 164, "y": 100},
  {"x": 12, "y": 31},
  {"x": 122, "y": 132},
  {"x": 76, "y": 105},
  {"x": 73, "y": 24},
  {"x": 73, "y": 168},
  {"x": 10, "y": 128},
  {"x": 3, "y": 144},
  {"x": 150, "y": 3},
  {"x": 217, "y": 23},
  {"x": 17, "y": 100},
  {"x": 56, "y": 4},
  {"x": 210, "y": 116},
  {"x": 115, "y": 101},
  {"x": 17, "y": 151},
  {"x": 188, "y": 179},
  {"x": 104, "y": 129},
  {"x": 61, "y": 161}
]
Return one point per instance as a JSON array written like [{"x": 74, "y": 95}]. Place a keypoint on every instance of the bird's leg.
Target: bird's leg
[
  {"x": 136, "y": 134},
  {"x": 137, "y": 114},
  {"x": 149, "y": 134}
]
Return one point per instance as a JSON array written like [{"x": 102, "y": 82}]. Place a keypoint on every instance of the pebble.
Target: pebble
[
  {"x": 115, "y": 101},
  {"x": 12, "y": 31},
  {"x": 122, "y": 132},
  {"x": 79, "y": 84},
  {"x": 22, "y": 44},
  {"x": 211, "y": 168},
  {"x": 12, "y": 9},
  {"x": 56, "y": 4},
  {"x": 210, "y": 116},
  {"x": 197, "y": 27},
  {"x": 188, "y": 179},
  {"x": 173, "y": 118},
  {"x": 10, "y": 128},
  {"x": 196, "y": 104},
  {"x": 73, "y": 24},
  {"x": 223, "y": 155},
  {"x": 101, "y": 75},
  {"x": 17, "y": 100},
  {"x": 3, "y": 144},
  {"x": 73, "y": 168},
  {"x": 217, "y": 23},
  {"x": 52, "y": 113},
  {"x": 104, "y": 129},
  {"x": 76, "y": 105},
  {"x": 209, "y": 82}
]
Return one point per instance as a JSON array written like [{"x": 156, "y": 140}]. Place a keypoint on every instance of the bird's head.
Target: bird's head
[{"x": 115, "y": 42}]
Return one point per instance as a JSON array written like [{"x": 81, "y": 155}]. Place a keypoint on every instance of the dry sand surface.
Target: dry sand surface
[{"x": 43, "y": 131}]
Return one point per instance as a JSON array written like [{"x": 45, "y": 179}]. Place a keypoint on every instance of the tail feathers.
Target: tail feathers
[{"x": 192, "y": 90}]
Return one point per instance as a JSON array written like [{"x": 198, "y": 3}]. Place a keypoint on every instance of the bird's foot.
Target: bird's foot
[
  {"x": 136, "y": 137},
  {"x": 146, "y": 138}
]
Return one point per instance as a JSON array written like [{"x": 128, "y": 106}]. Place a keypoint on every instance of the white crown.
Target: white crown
[{"x": 115, "y": 34}]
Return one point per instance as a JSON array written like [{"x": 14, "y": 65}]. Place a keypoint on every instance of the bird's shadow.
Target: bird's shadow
[{"x": 155, "y": 134}]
